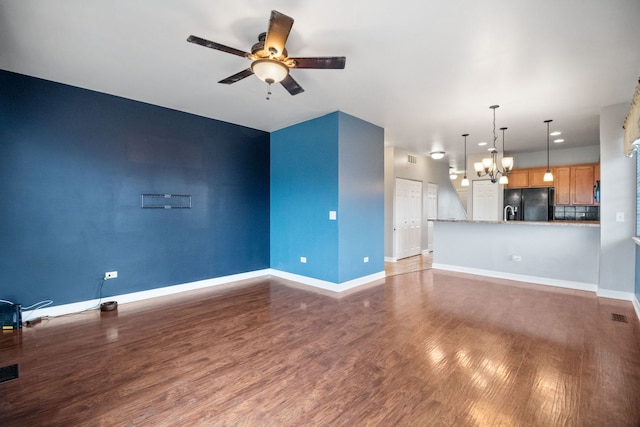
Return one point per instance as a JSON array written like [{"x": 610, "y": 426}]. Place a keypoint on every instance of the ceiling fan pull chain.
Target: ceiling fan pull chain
[{"x": 268, "y": 91}]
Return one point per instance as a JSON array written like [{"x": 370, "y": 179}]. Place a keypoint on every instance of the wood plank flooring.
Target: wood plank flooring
[
  {"x": 426, "y": 348},
  {"x": 410, "y": 264}
]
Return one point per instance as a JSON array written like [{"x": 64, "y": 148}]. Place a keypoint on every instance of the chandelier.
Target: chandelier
[{"x": 489, "y": 165}]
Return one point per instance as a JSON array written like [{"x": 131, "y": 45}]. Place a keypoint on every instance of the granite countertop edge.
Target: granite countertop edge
[{"x": 545, "y": 223}]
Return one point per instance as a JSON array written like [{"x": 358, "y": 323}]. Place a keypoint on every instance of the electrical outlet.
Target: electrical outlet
[
  {"x": 110, "y": 275},
  {"x": 303, "y": 259},
  {"x": 366, "y": 259}
]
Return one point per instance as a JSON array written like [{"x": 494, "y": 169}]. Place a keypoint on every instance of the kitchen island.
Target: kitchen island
[{"x": 556, "y": 253}]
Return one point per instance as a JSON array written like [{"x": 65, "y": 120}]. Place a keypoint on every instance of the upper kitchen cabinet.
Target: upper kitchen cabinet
[
  {"x": 536, "y": 178},
  {"x": 518, "y": 179},
  {"x": 528, "y": 178},
  {"x": 573, "y": 183},
  {"x": 562, "y": 184},
  {"x": 582, "y": 182}
]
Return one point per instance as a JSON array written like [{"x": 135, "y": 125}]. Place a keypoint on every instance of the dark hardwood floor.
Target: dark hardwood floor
[{"x": 425, "y": 348}]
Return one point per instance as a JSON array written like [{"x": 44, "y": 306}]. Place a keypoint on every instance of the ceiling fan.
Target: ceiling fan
[{"x": 270, "y": 61}]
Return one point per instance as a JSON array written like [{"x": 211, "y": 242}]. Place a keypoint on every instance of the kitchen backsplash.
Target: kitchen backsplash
[{"x": 576, "y": 213}]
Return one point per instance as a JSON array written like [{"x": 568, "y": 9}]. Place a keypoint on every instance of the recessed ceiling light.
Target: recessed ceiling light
[
  {"x": 556, "y": 133},
  {"x": 558, "y": 141},
  {"x": 482, "y": 144}
]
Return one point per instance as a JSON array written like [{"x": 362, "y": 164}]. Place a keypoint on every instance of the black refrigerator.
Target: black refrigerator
[{"x": 529, "y": 204}]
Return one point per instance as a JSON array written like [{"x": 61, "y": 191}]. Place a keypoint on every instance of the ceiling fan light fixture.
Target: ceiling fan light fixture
[{"x": 269, "y": 70}]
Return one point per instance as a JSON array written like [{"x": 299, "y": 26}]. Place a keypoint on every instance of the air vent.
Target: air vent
[
  {"x": 8, "y": 373},
  {"x": 412, "y": 159},
  {"x": 619, "y": 317}
]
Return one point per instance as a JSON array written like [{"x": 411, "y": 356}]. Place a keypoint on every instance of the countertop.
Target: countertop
[{"x": 545, "y": 223}]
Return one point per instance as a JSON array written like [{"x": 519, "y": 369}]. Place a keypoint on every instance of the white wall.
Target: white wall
[
  {"x": 558, "y": 157},
  {"x": 389, "y": 186},
  {"x": 618, "y": 194},
  {"x": 561, "y": 255}
]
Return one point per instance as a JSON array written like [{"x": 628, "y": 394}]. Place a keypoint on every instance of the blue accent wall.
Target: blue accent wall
[
  {"x": 304, "y": 188},
  {"x": 73, "y": 166},
  {"x": 332, "y": 163}
]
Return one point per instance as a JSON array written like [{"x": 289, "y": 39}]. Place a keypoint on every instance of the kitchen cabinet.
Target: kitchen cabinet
[
  {"x": 574, "y": 184},
  {"x": 518, "y": 179},
  {"x": 562, "y": 183},
  {"x": 536, "y": 178},
  {"x": 582, "y": 182},
  {"x": 528, "y": 178}
]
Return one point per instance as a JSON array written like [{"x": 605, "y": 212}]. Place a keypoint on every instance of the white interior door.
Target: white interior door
[
  {"x": 485, "y": 201},
  {"x": 432, "y": 201},
  {"x": 430, "y": 236},
  {"x": 432, "y": 212},
  {"x": 408, "y": 218}
]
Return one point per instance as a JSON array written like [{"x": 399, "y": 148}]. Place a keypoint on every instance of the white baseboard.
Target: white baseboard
[
  {"x": 330, "y": 286},
  {"x": 607, "y": 293},
  {"x": 581, "y": 286},
  {"x": 636, "y": 305},
  {"x": 390, "y": 259},
  {"x": 76, "y": 307}
]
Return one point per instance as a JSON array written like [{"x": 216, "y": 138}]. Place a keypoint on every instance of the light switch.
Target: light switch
[
  {"x": 332, "y": 215},
  {"x": 619, "y": 216}
]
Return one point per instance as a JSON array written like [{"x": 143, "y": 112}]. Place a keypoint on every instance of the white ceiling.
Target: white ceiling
[{"x": 425, "y": 71}]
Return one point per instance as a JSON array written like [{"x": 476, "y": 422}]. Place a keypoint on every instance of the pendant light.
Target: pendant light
[
  {"x": 507, "y": 162},
  {"x": 465, "y": 180},
  {"x": 548, "y": 176}
]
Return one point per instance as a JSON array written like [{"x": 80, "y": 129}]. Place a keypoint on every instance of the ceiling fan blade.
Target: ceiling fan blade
[
  {"x": 291, "y": 85},
  {"x": 326, "y": 62},
  {"x": 279, "y": 28},
  {"x": 217, "y": 46},
  {"x": 237, "y": 77}
]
